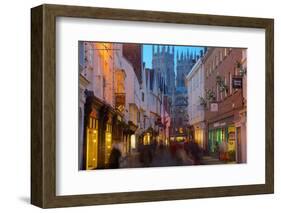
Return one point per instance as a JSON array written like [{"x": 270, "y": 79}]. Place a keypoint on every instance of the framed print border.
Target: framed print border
[{"x": 43, "y": 105}]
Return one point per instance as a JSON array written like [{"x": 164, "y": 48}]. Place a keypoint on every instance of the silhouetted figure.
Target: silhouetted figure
[
  {"x": 173, "y": 149},
  {"x": 146, "y": 156},
  {"x": 161, "y": 145},
  {"x": 154, "y": 146},
  {"x": 223, "y": 151},
  {"x": 114, "y": 157},
  {"x": 216, "y": 149},
  {"x": 194, "y": 150},
  {"x": 182, "y": 156}
]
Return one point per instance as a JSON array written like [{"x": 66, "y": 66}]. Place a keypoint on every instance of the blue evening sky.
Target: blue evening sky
[{"x": 147, "y": 52}]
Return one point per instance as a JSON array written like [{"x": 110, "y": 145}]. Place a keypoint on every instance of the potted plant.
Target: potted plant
[{"x": 222, "y": 86}]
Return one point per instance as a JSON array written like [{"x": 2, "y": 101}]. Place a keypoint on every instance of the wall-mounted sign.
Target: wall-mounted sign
[
  {"x": 237, "y": 82},
  {"x": 214, "y": 107},
  {"x": 218, "y": 124},
  {"x": 120, "y": 100}
]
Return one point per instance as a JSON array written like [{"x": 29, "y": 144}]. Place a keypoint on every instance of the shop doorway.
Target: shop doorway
[
  {"x": 92, "y": 144},
  {"x": 239, "y": 145}
]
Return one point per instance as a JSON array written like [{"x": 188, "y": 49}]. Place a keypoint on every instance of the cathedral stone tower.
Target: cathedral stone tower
[
  {"x": 163, "y": 64},
  {"x": 185, "y": 63}
]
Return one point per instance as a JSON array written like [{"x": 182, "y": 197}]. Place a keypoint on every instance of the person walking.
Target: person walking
[
  {"x": 222, "y": 150},
  {"x": 114, "y": 158}
]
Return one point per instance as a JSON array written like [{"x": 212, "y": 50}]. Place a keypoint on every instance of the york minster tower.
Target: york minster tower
[{"x": 163, "y": 64}]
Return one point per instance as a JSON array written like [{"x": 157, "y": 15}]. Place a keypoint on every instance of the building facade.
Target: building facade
[
  {"x": 179, "y": 130},
  {"x": 241, "y": 125},
  {"x": 163, "y": 67},
  {"x": 223, "y": 100},
  {"x": 109, "y": 97},
  {"x": 196, "y": 111}
]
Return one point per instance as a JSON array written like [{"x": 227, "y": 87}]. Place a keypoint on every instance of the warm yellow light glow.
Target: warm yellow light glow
[
  {"x": 133, "y": 141},
  {"x": 108, "y": 144},
  {"x": 179, "y": 139},
  {"x": 92, "y": 149},
  {"x": 199, "y": 137},
  {"x": 146, "y": 139}
]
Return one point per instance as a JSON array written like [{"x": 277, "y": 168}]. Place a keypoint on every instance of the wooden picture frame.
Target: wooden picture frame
[{"x": 43, "y": 105}]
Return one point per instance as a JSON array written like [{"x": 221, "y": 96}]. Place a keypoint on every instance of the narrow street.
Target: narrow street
[
  {"x": 161, "y": 105},
  {"x": 163, "y": 157}
]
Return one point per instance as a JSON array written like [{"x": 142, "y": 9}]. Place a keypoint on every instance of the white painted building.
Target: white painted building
[
  {"x": 132, "y": 90},
  {"x": 195, "y": 87}
]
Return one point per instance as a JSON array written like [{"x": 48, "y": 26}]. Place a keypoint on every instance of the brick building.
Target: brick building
[
  {"x": 133, "y": 53},
  {"x": 223, "y": 101}
]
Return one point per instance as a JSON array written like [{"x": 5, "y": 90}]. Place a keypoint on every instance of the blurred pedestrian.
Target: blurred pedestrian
[
  {"x": 146, "y": 156},
  {"x": 173, "y": 149},
  {"x": 115, "y": 155},
  {"x": 222, "y": 150},
  {"x": 182, "y": 157},
  {"x": 194, "y": 150}
]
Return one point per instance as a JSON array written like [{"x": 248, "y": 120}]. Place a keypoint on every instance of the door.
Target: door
[{"x": 239, "y": 147}]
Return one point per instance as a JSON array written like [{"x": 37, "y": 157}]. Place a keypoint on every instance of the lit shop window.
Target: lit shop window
[
  {"x": 108, "y": 142},
  {"x": 92, "y": 144},
  {"x": 146, "y": 139}
]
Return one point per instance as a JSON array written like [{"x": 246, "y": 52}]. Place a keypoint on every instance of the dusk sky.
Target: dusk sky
[{"x": 147, "y": 52}]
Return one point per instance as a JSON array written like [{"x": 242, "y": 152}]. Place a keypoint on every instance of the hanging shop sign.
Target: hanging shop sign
[
  {"x": 120, "y": 100},
  {"x": 133, "y": 127},
  {"x": 237, "y": 82}
]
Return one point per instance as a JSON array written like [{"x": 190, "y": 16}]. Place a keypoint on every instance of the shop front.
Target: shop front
[
  {"x": 241, "y": 135},
  {"x": 132, "y": 137},
  {"x": 223, "y": 131},
  {"x": 147, "y": 136},
  {"x": 92, "y": 142},
  {"x": 97, "y": 133},
  {"x": 199, "y": 131}
]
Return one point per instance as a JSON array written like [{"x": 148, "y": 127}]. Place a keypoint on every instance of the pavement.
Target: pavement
[
  {"x": 163, "y": 158},
  {"x": 209, "y": 160},
  {"x": 160, "y": 158}
]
